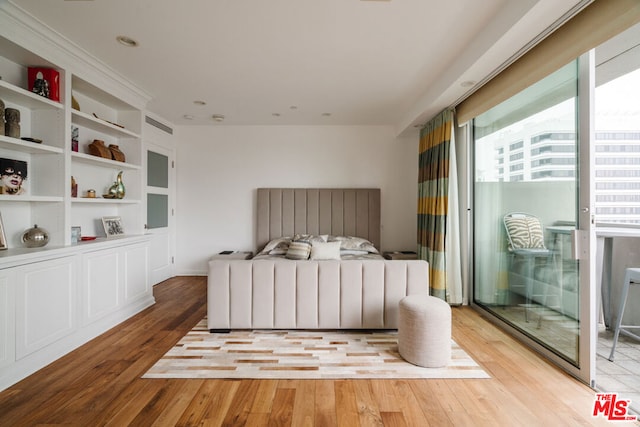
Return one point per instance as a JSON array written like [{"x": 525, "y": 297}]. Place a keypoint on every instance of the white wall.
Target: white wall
[{"x": 219, "y": 169}]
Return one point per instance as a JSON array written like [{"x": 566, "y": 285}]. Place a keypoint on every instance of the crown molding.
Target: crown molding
[{"x": 35, "y": 36}]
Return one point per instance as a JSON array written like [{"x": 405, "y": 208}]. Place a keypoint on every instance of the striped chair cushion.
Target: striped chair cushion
[{"x": 525, "y": 232}]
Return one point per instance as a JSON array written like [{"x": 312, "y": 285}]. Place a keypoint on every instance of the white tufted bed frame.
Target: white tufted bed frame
[{"x": 287, "y": 294}]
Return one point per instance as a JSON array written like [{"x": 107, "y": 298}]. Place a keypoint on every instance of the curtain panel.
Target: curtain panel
[{"x": 437, "y": 208}]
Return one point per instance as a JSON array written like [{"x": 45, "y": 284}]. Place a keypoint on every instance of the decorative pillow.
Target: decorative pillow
[
  {"x": 298, "y": 249},
  {"x": 325, "y": 250},
  {"x": 277, "y": 246},
  {"x": 354, "y": 243},
  {"x": 280, "y": 249},
  {"x": 352, "y": 252},
  {"x": 525, "y": 232},
  {"x": 311, "y": 237}
]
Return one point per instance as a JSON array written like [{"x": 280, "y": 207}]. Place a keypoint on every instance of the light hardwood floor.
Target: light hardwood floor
[{"x": 99, "y": 384}]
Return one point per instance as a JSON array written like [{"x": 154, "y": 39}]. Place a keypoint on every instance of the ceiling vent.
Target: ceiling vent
[{"x": 158, "y": 125}]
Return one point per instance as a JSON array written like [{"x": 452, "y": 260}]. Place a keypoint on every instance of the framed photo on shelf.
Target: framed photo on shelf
[
  {"x": 75, "y": 234},
  {"x": 112, "y": 226},
  {"x": 3, "y": 238}
]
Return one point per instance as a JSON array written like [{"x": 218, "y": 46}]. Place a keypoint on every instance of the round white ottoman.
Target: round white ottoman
[{"x": 424, "y": 331}]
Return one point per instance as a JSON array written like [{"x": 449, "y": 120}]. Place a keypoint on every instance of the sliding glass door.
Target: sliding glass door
[{"x": 526, "y": 192}]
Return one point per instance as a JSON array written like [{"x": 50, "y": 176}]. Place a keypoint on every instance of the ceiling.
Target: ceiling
[{"x": 301, "y": 62}]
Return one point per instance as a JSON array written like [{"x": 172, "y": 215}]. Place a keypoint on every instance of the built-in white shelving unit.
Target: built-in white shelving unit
[
  {"x": 52, "y": 163},
  {"x": 109, "y": 119},
  {"x": 57, "y": 297}
]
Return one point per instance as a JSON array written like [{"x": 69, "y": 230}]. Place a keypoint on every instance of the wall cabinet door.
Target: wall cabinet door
[
  {"x": 101, "y": 284},
  {"x": 7, "y": 318},
  {"x": 136, "y": 265},
  {"x": 45, "y": 303},
  {"x": 112, "y": 278}
]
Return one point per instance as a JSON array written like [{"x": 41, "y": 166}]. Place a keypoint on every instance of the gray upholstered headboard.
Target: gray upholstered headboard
[{"x": 336, "y": 211}]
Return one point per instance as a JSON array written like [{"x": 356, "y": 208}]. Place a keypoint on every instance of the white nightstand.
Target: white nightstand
[
  {"x": 233, "y": 255},
  {"x": 400, "y": 255}
]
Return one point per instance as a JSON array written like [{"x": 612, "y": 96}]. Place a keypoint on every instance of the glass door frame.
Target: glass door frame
[
  {"x": 586, "y": 233},
  {"x": 584, "y": 241}
]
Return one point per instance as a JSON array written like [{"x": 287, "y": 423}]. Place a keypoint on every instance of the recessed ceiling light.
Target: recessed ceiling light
[
  {"x": 198, "y": 102},
  {"x": 218, "y": 117},
  {"x": 188, "y": 117},
  {"x": 467, "y": 83},
  {"x": 127, "y": 41}
]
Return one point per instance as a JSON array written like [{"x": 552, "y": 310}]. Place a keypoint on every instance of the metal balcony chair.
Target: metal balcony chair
[{"x": 526, "y": 243}]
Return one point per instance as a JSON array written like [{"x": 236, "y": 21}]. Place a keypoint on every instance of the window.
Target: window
[
  {"x": 617, "y": 145},
  {"x": 516, "y": 145},
  {"x": 516, "y": 156}
]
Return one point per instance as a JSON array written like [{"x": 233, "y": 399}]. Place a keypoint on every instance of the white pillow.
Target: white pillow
[{"x": 323, "y": 251}]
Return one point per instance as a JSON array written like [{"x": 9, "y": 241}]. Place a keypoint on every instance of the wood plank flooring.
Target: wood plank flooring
[{"x": 99, "y": 384}]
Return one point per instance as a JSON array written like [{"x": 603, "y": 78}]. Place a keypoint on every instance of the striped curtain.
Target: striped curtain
[{"x": 438, "y": 230}]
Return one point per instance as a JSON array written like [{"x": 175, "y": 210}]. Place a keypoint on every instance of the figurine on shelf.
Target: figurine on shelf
[
  {"x": 116, "y": 191},
  {"x": 12, "y": 175},
  {"x": 40, "y": 85},
  {"x": 12, "y": 125}
]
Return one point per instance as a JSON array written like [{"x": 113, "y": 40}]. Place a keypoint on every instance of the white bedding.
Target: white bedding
[
  {"x": 347, "y": 247},
  {"x": 343, "y": 256}
]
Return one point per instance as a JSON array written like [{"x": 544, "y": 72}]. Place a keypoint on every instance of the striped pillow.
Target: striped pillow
[
  {"x": 525, "y": 232},
  {"x": 299, "y": 249}
]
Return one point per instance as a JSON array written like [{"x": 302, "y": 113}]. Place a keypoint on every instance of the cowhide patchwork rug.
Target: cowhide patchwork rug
[{"x": 280, "y": 354}]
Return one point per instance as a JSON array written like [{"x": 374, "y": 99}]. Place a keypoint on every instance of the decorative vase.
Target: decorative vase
[
  {"x": 116, "y": 154},
  {"x": 2, "y": 114},
  {"x": 35, "y": 237},
  {"x": 117, "y": 190},
  {"x": 74, "y": 103},
  {"x": 75, "y": 131},
  {"x": 12, "y": 125},
  {"x": 74, "y": 187},
  {"x": 97, "y": 148}
]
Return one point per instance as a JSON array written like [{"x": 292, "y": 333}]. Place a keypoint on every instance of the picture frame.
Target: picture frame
[
  {"x": 112, "y": 226},
  {"x": 76, "y": 233},
  {"x": 3, "y": 237},
  {"x": 13, "y": 176}
]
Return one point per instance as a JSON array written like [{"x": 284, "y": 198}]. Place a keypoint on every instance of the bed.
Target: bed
[{"x": 358, "y": 289}]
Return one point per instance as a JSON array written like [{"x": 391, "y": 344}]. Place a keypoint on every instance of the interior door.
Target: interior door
[{"x": 160, "y": 212}]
